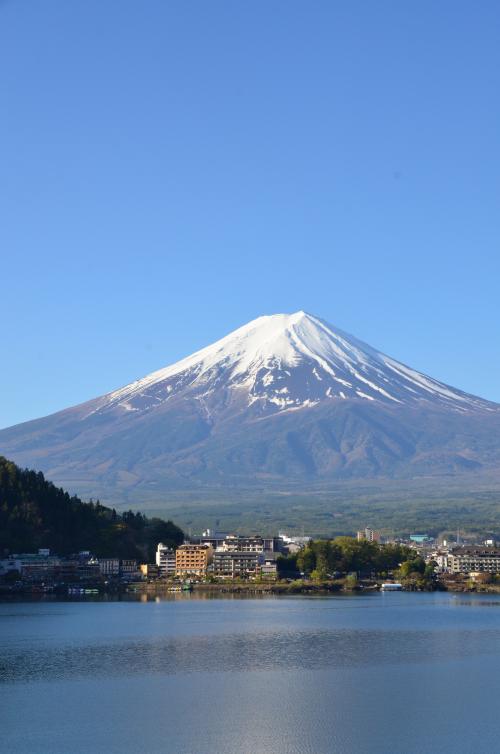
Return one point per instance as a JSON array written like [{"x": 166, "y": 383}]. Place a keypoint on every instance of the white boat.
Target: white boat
[{"x": 391, "y": 586}]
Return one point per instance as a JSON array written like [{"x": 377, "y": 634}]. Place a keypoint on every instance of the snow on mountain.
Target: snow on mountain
[
  {"x": 287, "y": 362},
  {"x": 286, "y": 400}
]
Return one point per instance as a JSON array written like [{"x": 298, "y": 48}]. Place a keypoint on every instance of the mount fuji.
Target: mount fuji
[{"x": 286, "y": 400}]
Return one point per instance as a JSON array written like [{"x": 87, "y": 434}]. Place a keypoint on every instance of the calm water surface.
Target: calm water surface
[{"x": 404, "y": 673}]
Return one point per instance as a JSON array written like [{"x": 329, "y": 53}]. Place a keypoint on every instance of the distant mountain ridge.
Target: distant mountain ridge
[{"x": 286, "y": 399}]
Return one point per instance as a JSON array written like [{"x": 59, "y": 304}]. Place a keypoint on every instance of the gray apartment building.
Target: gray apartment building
[{"x": 235, "y": 564}]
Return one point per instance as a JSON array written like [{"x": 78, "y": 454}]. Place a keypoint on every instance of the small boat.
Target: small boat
[{"x": 391, "y": 586}]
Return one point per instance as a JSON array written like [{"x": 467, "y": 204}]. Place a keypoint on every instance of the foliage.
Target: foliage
[
  {"x": 287, "y": 566},
  {"x": 412, "y": 566},
  {"x": 351, "y": 582},
  {"x": 346, "y": 555},
  {"x": 317, "y": 575},
  {"x": 415, "y": 573},
  {"x": 334, "y": 509},
  {"x": 34, "y": 513}
]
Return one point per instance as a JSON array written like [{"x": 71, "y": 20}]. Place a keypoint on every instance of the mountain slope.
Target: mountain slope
[{"x": 286, "y": 400}]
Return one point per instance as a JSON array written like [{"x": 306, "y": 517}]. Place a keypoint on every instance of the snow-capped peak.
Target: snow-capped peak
[{"x": 288, "y": 361}]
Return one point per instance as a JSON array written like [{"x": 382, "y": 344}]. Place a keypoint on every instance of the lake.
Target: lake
[{"x": 403, "y": 673}]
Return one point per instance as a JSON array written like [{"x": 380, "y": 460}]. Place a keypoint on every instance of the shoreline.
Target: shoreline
[{"x": 152, "y": 590}]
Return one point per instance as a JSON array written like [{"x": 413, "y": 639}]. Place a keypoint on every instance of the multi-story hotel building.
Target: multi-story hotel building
[
  {"x": 244, "y": 564},
  {"x": 109, "y": 566},
  {"x": 165, "y": 560},
  {"x": 233, "y": 543},
  {"x": 474, "y": 560},
  {"x": 128, "y": 568},
  {"x": 236, "y": 564},
  {"x": 193, "y": 560}
]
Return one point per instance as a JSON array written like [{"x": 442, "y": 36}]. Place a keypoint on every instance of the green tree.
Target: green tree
[
  {"x": 34, "y": 513},
  {"x": 415, "y": 565},
  {"x": 306, "y": 560},
  {"x": 287, "y": 566},
  {"x": 351, "y": 581}
]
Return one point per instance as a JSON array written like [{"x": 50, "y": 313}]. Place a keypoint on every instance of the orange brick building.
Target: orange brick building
[{"x": 193, "y": 560}]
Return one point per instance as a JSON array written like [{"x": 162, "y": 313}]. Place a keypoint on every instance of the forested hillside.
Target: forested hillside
[{"x": 35, "y": 513}]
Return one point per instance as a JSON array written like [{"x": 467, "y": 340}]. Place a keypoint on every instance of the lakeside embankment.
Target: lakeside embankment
[
  {"x": 147, "y": 592},
  {"x": 302, "y": 586}
]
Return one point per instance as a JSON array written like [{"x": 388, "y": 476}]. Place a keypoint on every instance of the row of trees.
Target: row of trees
[
  {"x": 348, "y": 555},
  {"x": 322, "y": 560},
  {"x": 35, "y": 513}
]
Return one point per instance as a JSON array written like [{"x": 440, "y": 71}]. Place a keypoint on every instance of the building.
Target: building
[
  {"x": 165, "y": 560},
  {"x": 420, "y": 539},
  {"x": 218, "y": 540},
  {"x": 109, "y": 567},
  {"x": 149, "y": 570},
  {"x": 33, "y": 566},
  {"x": 88, "y": 570},
  {"x": 67, "y": 571},
  {"x": 10, "y": 565},
  {"x": 474, "y": 559},
  {"x": 128, "y": 569},
  {"x": 193, "y": 560},
  {"x": 77, "y": 568},
  {"x": 269, "y": 566},
  {"x": 233, "y": 543},
  {"x": 273, "y": 544},
  {"x": 244, "y": 564},
  {"x": 440, "y": 558},
  {"x": 235, "y": 564},
  {"x": 368, "y": 535},
  {"x": 209, "y": 537},
  {"x": 291, "y": 545}
]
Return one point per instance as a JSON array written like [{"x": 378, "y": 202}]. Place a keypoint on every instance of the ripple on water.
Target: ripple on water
[{"x": 255, "y": 651}]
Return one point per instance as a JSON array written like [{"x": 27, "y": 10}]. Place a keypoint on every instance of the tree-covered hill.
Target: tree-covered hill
[{"x": 35, "y": 513}]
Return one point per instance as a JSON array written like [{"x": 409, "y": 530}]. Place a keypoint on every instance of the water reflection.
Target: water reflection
[
  {"x": 391, "y": 673},
  {"x": 255, "y": 651}
]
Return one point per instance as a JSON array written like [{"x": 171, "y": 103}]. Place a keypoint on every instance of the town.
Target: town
[{"x": 230, "y": 562}]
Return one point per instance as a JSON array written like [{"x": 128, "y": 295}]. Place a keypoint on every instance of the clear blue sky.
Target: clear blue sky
[{"x": 171, "y": 170}]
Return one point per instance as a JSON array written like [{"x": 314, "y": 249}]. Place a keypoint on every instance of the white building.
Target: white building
[
  {"x": 440, "y": 557},
  {"x": 293, "y": 544},
  {"x": 165, "y": 560}
]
